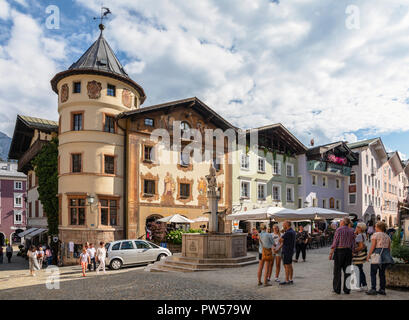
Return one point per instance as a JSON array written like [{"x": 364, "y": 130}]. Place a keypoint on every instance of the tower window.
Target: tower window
[
  {"x": 76, "y": 87},
  {"x": 76, "y": 162},
  {"x": 109, "y": 209},
  {"x": 109, "y": 124},
  {"x": 109, "y": 164},
  {"x": 77, "y": 121},
  {"x": 111, "y": 90},
  {"x": 76, "y": 207}
]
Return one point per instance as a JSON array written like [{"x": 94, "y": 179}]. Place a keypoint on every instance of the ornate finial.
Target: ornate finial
[{"x": 104, "y": 13}]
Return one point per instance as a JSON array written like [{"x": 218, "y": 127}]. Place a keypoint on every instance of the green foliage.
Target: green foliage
[
  {"x": 46, "y": 169},
  {"x": 275, "y": 155},
  {"x": 399, "y": 250},
  {"x": 265, "y": 151},
  {"x": 247, "y": 149},
  {"x": 175, "y": 236}
]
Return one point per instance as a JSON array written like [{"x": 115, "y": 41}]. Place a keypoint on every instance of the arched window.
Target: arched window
[{"x": 184, "y": 126}]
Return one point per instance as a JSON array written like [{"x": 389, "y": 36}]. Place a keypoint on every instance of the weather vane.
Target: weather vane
[{"x": 104, "y": 15}]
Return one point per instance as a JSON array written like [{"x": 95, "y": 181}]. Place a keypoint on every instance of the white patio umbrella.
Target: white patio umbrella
[
  {"x": 320, "y": 213},
  {"x": 266, "y": 213},
  {"x": 201, "y": 219},
  {"x": 176, "y": 218}
]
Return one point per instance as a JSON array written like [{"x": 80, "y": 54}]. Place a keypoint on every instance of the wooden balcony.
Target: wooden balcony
[{"x": 315, "y": 165}]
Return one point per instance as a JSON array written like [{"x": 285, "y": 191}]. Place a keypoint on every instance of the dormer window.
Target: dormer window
[
  {"x": 111, "y": 90},
  {"x": 185, "y": 127},
  {"x": 149, "y": 122}
]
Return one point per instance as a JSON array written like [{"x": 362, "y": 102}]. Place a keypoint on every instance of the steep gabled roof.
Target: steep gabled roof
[
  {"x": 342, "y": 146},
  {"x": 284, "y": 134},
  {"x": 395, "y": 162},
  {"x": 360, "y": 144},
  {"x": 99, "y": 59},
  {"x": 194, "y": 103},
  {"x": 24, "y": 132},
  {"x": 377, "y": 145}
]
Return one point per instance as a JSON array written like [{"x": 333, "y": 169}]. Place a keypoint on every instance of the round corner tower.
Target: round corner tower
[{"x": 91, "y": 93}]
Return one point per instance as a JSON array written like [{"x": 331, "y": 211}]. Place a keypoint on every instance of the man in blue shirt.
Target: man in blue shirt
[{"x": 288, "y": 241}]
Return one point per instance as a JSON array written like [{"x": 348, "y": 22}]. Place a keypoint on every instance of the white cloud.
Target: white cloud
[
  {"x": 4, "y": 10},
  {"x": 260, "y": 62},
  {"x": 27, "y": 63},
  {"x": 255, "y": 63}
]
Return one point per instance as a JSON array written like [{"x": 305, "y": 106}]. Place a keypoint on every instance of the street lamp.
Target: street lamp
[{"x": 90, "y": 200}]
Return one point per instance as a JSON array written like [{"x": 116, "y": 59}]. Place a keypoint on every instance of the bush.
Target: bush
[
  {"x": 399, "y": 250},
  {"x": 175, "y": 236}
]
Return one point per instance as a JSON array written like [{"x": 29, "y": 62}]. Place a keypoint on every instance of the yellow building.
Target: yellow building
[{"x": 109, "y": 187}]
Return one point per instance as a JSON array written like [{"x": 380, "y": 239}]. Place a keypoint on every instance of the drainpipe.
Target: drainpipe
[{"x": 125, "y": 206}]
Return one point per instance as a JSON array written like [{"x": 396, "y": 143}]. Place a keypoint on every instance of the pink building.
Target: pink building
[{"x": 12, "y": 203}]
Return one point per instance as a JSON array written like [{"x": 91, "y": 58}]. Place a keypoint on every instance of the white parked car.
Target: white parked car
[{"x": 131, "y": 252}]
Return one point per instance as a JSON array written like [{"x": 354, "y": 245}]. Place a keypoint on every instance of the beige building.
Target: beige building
[
  {"x": 392, "y": 193},
  {"x": 112, "y": 176},
  {"x": 30, "y": 135}
]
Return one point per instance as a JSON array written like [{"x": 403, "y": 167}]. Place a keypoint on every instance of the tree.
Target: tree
[{"x": 46, "y": 169}]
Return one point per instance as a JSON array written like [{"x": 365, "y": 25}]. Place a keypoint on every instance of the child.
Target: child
[{"x": 84, "y": 259}]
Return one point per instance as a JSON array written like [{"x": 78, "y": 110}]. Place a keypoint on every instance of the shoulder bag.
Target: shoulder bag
[{"x": 267, "y": 253}]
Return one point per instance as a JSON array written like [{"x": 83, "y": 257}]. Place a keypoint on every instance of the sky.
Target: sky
[{"x": 325, "y": 69}]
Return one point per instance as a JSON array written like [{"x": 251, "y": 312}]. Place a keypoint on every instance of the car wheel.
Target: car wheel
[
  {"x": 161, "y": 257},
  {"x": 115, "y": 264}
]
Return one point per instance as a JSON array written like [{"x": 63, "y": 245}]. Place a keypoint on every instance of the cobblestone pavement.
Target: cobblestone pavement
[{"x": 313, "y": 280}]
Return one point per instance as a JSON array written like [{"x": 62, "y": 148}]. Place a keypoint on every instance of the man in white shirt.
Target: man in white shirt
[
  {"x": 91, "y": 252},
  {"x": 101, "y": 255}
]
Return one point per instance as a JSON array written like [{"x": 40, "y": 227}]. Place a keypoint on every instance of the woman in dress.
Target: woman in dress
[
  {"x": 33, "y": 260},
  {"x": 380, "y": 257},
  {"x": 360, "y": 254},
  {"x": 276, "y": 251}
]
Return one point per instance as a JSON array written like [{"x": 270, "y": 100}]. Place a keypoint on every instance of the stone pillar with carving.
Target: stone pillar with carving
[{"x": 212, "y": 196}]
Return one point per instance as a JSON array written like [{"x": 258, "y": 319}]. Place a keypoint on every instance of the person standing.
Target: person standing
[
  {"x": 288, "y": 245},
  {"x": 40, "y": 256},
  {"x": 9, "y": 252},
  {"x": 301, "y": 240},
  {"x": 380, "y": 257},
  {"x": 84, "y": 260},
  {"x": 91, "y": 251},
  {"x": 370, "y": 229},
  {"x": 341, "y": 251},
  {"x": 1, "y": 254},
  {"x": 33, "y": 260},
  {"x": 101, "y": 255},
  {"x": 49, "y": 256},
  {"x": 277, "y": 251},
  {"x": 360, "y": 254},
  {"x": 265, "y": 255}
]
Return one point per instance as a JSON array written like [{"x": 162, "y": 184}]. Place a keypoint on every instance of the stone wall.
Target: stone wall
[{"x": 397, "y": 276}]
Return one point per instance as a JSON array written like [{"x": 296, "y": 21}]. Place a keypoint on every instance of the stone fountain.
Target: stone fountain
[{"x": 213, "y": 250}]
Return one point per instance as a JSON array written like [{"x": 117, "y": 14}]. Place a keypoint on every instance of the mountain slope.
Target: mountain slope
[{"x": 5, "y": 142}]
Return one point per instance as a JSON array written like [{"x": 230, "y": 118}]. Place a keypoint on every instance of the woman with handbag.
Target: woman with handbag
[
  {"x": 360, "y": 254},
  {"x": 380, "y": 257},
  {"x": 265, "y": 255}
]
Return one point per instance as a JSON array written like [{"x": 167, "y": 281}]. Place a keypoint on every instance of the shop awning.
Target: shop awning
[
  {"x": 26, "y": 232},
  {"x": 37, "y": 232}
]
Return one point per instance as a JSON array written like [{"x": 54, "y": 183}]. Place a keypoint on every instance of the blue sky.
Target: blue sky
[{"x": 324, "y": 69}]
